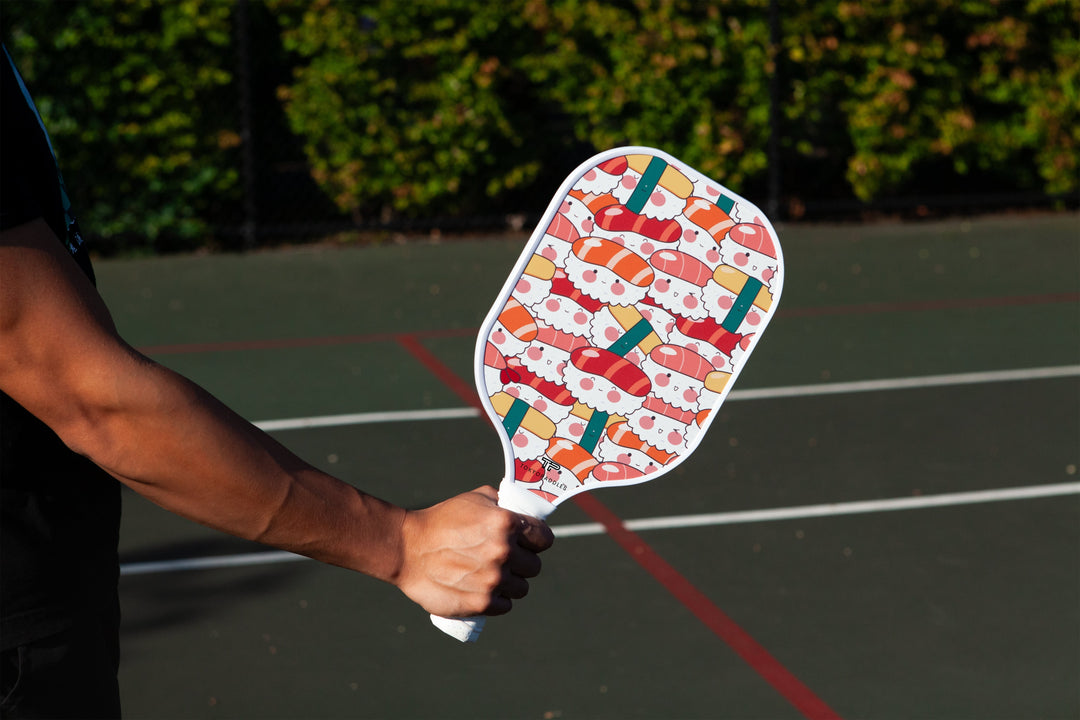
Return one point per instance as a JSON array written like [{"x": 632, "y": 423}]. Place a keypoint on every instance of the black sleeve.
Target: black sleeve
[{"x": 29, "y": 186}]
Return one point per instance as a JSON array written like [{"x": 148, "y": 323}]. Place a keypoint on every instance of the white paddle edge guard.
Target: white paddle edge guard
[
  {"x": 515, "y": 498},
  {"x": 468, "y": 629}
]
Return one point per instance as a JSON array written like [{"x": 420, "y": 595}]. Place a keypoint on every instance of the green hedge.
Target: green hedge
[
  {"x": 138, "y": 100},
  {"x": 444, "y": 107}
]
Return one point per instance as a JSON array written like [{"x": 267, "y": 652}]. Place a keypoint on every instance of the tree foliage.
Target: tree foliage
[
  {"x": 944, "y": 88},
  {"x": 451, "y": 103},
  {"x": 444, "y": 107},
  {"x": 136, "y": 96}
]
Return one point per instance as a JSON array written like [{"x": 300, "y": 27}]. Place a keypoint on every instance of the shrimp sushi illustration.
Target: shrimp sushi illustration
[
  {"x": 514, "y": 329},
  {"x": 621, "y": 445}
]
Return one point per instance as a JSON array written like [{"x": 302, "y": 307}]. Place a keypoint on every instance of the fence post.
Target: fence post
[
  {"x": 247, "y": 137},
  {"x": 773, "y": 200}
]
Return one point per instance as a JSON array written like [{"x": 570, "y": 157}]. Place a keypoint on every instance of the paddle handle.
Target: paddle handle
[{"x": 515, "y": 497}]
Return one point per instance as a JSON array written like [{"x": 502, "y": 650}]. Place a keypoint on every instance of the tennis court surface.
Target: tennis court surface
[{"x": 884, "y": 522}]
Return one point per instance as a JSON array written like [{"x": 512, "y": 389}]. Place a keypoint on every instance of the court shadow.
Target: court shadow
[{"x": 170, "y": 596}]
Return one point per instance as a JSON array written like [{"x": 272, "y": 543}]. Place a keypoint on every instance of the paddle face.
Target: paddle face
[{"x": 623, "y": 326}]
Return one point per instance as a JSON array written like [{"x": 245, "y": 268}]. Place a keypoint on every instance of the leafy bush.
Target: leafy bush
[
  {"x": 459, "y": 107},
  {"x": 136, "y": 97},
  {"x": 932, "y": 91},
  {"x": 436, "y": 106}
]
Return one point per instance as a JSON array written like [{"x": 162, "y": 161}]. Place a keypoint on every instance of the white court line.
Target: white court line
[
  {"x": 685, "y": 520},
  {"x": 367, "y": 418},
  {"x": 673, "y": 522},
  {"x": 838, "y": 388}
]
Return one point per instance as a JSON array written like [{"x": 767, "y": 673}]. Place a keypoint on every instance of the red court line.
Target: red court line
[
  {"x": 287, "y": 343},
  {"x": 756, "y": 656},
  {"x": 437, "y": 368},
  {"x": 804, "y": 312}
]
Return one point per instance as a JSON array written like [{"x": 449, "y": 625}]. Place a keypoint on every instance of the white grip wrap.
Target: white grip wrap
[{"x": 515, "y": 498}]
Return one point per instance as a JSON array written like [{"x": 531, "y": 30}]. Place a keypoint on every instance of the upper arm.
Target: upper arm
[{"x": 59, "y": 351}]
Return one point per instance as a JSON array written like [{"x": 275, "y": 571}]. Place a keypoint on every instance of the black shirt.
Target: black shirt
[{"x": 59, "y": 513}]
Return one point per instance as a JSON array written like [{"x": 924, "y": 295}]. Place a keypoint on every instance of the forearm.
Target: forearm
[
  {"x": 173, "y": 443},
  {"x": 62, "y": 359}
]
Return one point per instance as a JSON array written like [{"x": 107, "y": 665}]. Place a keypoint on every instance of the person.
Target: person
[{"x": 80, "y": 409}]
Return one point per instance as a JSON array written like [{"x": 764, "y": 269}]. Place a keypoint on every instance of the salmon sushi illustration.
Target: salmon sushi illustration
[
  {"x": 677, "y": 375},
  {"x": 574, "y": 462},
  {"x": 567, "y": 308},
  {"x": 643, "y": 235},
  {"x": 750, "y": 248},
  {"x": 494, "y": 366},
  {"x": 603, "y": 178},
  {"x": 608, "y": 272},
  {"x": 560, "y": 235},
  {"x": 710, "y": 218},
  {"x": 711, "y": 340},
  {"x": 614, "y": 472},
  {"x": 680, "y": 283},
  {"x": 662, "y": 424},
  {"x": 605, "y": 381},
  {"x": 549, "y": 353}
]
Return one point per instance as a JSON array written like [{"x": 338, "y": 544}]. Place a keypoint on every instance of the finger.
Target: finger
[
  {"x": 534, "y": 534},
  {"x": 489, "y": 492},
  {"x": 499, "y": 605},
  {"x": 513, "y": 587},
  {"x": 523, "y": 563}
]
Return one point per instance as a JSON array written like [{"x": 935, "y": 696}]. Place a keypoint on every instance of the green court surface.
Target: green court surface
[{"x": 889, "y": 529}]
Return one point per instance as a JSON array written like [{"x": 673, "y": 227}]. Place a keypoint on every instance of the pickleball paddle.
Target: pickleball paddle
[{"x": 621, "y": 329}]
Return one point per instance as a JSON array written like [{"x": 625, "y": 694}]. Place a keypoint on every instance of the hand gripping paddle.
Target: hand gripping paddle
[{"x": 621, "y": 330}]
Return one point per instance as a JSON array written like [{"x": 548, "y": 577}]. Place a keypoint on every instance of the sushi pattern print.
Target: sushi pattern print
[{"x": 638, "y": 303}]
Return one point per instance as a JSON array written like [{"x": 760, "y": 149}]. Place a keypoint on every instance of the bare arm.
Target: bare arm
[{"x": 170, "y": 441}]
